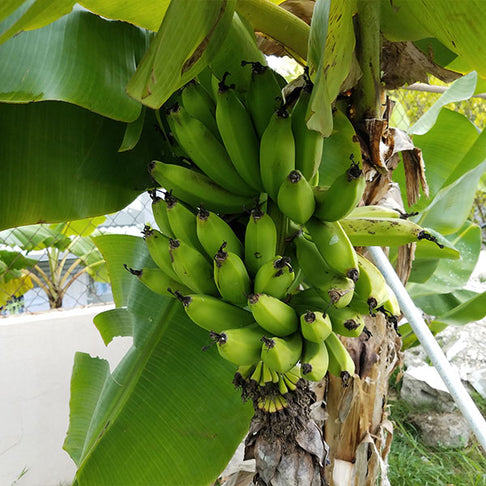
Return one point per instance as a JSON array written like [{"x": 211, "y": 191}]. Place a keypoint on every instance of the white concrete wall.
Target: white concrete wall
[{"x": 36, "y": 359}]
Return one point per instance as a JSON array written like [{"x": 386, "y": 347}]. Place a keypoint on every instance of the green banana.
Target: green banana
[
  {"x": 240, "y": 44},
  {"x": 277, "y": 152},
  {"x": 273, "y": 315},
  {"x": 158, "y": 248},
  {"x": 340, "y": 362},
  {"x": 266, "y": 375},
  {"x": 159, "y": 211},
  {"x": 370, "y": 290},
  {"x": 274, "y": 277},
  {"x": 281, "y": 354},
  {"x": 390, "y": 306},
  {"x": 182, "y": 221},
  {"x": 241, "y": 346},
  {"x": 315, "y": 326},
  {"x": 231, "y": 277},
  {"x": 206, "y": 151},
  {"x": 308, "y": 143},
  {"x": 376, "y": 211},
  {"x": 261, "y": 99},
  {"x": 245, "y": 371},
  {"x": 214, "y": 314},
  {"x": 192, "y": 268},
  {"x": 158, "y": 281},
  {"x": 384, "y": 232},
  {"x": 314, "y": 361},
  {"x": 334, "y": 288},
  {"x": 260, "y": 240},
  {"x": 282, "y": 386},
  {"x": 304, "y": 300},
  {"x": 341, "y": 197},
  {"x": 334, "y": 246},
  {"x": 196, "y": 189},
  {"x": 199, "y": 104},
  {"x": 296, "y": 198},
  {"x": 239, "y": 137},
  {"x": 213, "y": 231},
  {"x": 257, "y": 372},
  {"x": 346, "y": 321}
]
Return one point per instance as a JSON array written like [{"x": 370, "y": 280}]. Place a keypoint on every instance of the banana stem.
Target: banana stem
[
  {"x": 276, "y": 22},
  {"x": 368, "y": 49}
]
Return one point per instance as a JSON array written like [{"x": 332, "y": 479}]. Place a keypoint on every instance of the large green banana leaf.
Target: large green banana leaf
[
  {"x": 459, "y": 26},
  {"x": 61, "y": 162},
  {"x": 191, "y": 33},
  {"x": 30, "y": 15},
  {"x": 145, "y": 14},
  {"x": 450, "y": 274},
  {"x": 331, "y": 51},
  {"x": 168, "y": 414},
  {"x": 81, "y": 59}
]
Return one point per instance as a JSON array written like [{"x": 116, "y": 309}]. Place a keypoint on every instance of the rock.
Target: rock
[
  {"x": 422, "y": 387},
  {"x": 442, "y": 429}
]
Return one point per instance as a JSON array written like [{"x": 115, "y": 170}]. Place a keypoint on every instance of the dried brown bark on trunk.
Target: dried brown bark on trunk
[{"x": 357, "y": 429}]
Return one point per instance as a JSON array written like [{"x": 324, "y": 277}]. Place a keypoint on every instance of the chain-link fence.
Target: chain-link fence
[
  {"x": 52, "y": 266},
  {"x": 57, "y": 266}
]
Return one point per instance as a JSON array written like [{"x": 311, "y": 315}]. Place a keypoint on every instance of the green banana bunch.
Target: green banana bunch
[
  {"x": 212, "y": 231},
  {"x": 239, "y": 136},
  {"x": 370, "y": 290},
  {"x": 296, "y": 198},
  {"x": 340, "y": 362},
  {"x": 315, "y": 326},
  {"x": 182, "y": 221},
  {"x": 334, "y": 288},
  {"x": 192, "y": 268},
  {"x": 314, "y": 361},
  {"x": 277, "y": 152},
  {"x": 231, "y": 277},
  {"x": 346, "y": 321},
  {"x": 273, "y": 315},
  {"x": 196, "y": 189},
  {"x": 281, "y": 353},
  {"x": 159, "y": 211},
  {"x": 241, "y": 346},
  {"x": 261, "y": 98},
  {"x": 197, "y": 102},
  {"x": 384, "y": 231},
  {"x": 341, "y": 197},
  {"x": 308, "y": 143},
  {"x": 274, "y": 277},
  {"x": 157, "y": 281},
  {"x": 158, "y": 247},
  {"x": 206, "y": 151},
  {"x": 334, "y": 246},
  {"x": 214, "y": 314},
  {"x": 260, "y": 240}
]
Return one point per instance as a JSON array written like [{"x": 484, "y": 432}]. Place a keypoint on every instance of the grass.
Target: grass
[{"x": 411, "y": 463}]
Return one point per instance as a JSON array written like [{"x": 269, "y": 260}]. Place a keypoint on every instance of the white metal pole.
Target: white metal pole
[{"x": 450, "y": 376}]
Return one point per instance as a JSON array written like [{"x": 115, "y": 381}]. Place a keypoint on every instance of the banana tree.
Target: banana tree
[
  {"x": 59, "y": 242},
  {"x": 81, "y": 122}
]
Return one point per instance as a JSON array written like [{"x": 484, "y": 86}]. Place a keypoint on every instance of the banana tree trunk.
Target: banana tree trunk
[{"x": 357, "y": 429}]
